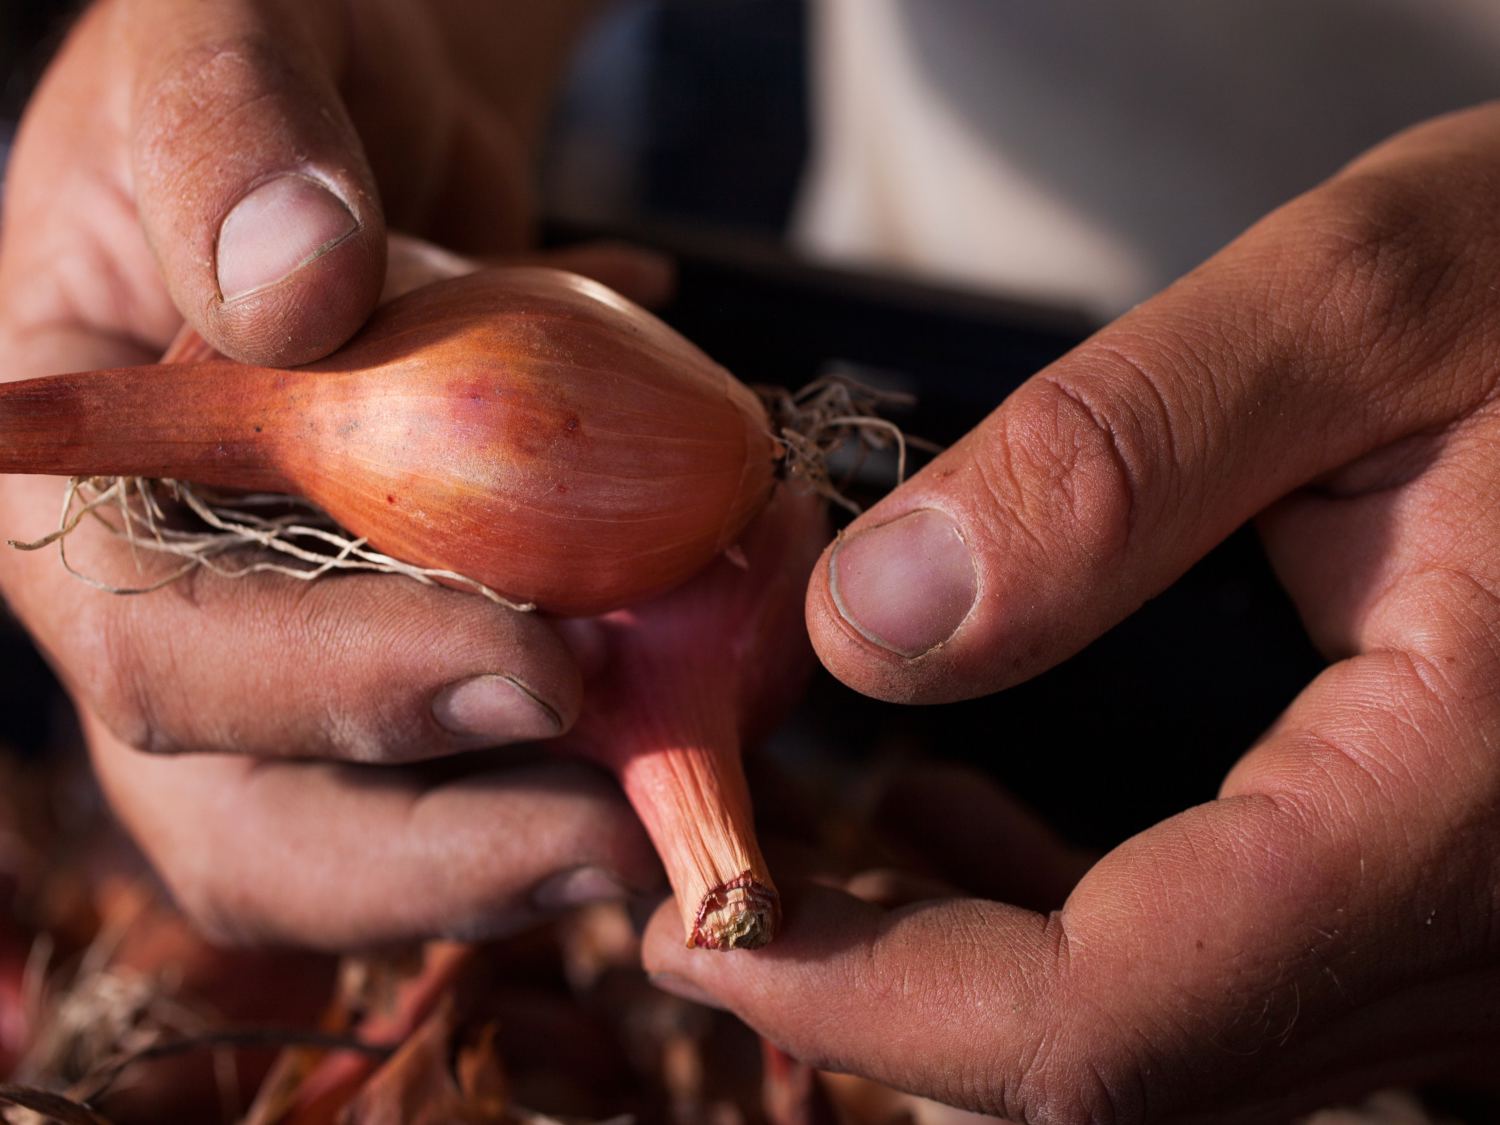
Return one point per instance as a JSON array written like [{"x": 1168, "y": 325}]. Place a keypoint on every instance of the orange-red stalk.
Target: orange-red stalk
[{"x": 689, "y": 677}]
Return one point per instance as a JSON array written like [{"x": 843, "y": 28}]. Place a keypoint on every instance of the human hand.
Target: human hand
[
  {"x": 1330, "y": 922},
  {"x": 151, "y": 123}
]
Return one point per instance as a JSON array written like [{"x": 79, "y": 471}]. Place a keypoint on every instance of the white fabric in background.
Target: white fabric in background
[{"x": 1090, "y": 151}]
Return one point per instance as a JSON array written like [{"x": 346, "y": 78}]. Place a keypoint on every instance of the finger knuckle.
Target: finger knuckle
[
  {"x": 375, "y": 727},
  {"x": 1450, "y": 665},
  {"x": 1083, "y": 1067},
  {"x": 378, "y": 712},
  {"x": 1069, "y": 461},
  {"x": 382, "y": 734},
  {"x": 344, "y": 692},
  {"x": 220, "y": 911},
  {"x": 114, "y": 680},
  {"x": 1069, "y": 1084}
]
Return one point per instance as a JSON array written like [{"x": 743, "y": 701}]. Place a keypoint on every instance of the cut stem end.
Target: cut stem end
[{"x": 743, "y": 913}]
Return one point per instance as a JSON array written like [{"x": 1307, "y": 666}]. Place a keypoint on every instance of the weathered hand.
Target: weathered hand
[
  {"x": 1331, "y": 921},
  {"x": 219, "y": 160}
]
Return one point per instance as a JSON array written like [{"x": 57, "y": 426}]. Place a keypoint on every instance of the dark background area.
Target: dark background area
[
  {"x": 697, "y": 110},
  {"x": 29, "y": 31}
]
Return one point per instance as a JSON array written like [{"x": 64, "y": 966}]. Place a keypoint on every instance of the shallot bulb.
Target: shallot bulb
[{"x": 525, "y": 428}]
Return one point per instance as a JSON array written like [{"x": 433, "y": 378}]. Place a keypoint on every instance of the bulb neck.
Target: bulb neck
[{"x": 212, "y": 423}]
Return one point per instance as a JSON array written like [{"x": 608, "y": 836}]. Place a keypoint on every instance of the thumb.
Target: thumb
[
  {"x": 1309, "y": 344},
  {"x": 251, "y": 182}
]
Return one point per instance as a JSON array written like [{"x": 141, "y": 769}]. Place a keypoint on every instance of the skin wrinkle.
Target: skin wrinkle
[
  {"x": 1034, "y": 1067},
  {"x": 187, "y": 173},
  {"x": 1005, "y": 491},
  {"x": 1212, "y": 407},
  {"x": 1216, "y": 408},
  {"x": 904, "y": 989},
  {"x": 112, "y": 302},
  {"x": 1143, "y": 394},
  {"x": 1387, "y": 469},
  {"x": 1369, "y": 225},
  {"x": 1220, "y": 399},
  {"x": 1101, "y": 531},
  {"x": 340, "y": 729},
  {"x": 165, "y": 127},
  {"x": 1392, "y": 309},
  {"x": 1369, "y": 625},
  {"x": 1025, "y": 1089},
  {"x": 114, "y": 204},
  {"x": 1125, "y": 480},
  {"x": 1490, "y": 595},
  {"x": 1364, "y": 764},
  {"x": 1096, "y": 1100},
  {"x": 1426, "y": 676},
  {"x": 121, "y": 692},
  {"x": 85, "y": 279},
  {"x": 1394, "y": 600},
  {"x": 1319, "y": 349},
  {"x": 1269, "y": 837},
  {"x": 1391, "y": 746}
]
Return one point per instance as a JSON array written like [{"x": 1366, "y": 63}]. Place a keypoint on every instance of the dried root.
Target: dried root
[
  {"x": 291, "y": 536},
  {"x": 835, "y": 414}
]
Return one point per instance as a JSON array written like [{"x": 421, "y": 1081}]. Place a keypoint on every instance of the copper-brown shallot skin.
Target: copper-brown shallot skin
[{"x": 525, "y": 428}]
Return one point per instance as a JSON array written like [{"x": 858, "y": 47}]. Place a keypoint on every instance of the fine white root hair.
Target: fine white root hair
[{"x": 293, "y": 537}]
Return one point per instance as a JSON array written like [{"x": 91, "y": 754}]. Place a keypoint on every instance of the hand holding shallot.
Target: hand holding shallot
[
  {"x": 112, "y": 223},
  {"x": 528, "y": 429},
  {"x": 533, "y": 431}
]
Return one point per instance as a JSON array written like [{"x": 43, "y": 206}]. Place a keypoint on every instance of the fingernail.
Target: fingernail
[
  {"x": 277, "y": 229},
  {"x": 490, "y": 710},
  {"x": 578, "y": 887},
  {"x": 684, "y": 989},
  {"x": 906, "y": 585}
]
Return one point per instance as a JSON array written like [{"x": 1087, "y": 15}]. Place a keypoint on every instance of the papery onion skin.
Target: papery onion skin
[{"x": 525, "y": 428}]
